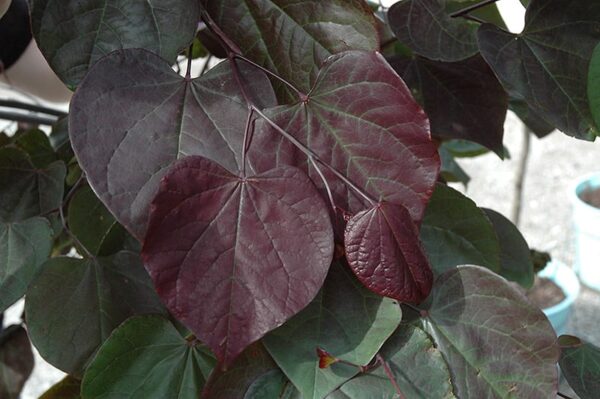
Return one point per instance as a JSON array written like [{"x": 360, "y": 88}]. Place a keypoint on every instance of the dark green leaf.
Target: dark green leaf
[
  {"x": 306, "y": 32},
  {"x": 146, "y": 357},
  {"x": 417, "y": 365},
  {"x": 464, "y": 148},
  {"x": 456, "y": 232},
  {"x": 451, "y": 170},
  {"x": 534, "y": 122},
  {"x": 59, "y": 138},
  {"x": 463, "y": 99},
  {"x": 496, "y": 344},
  {"x": 24, "y": 247},
  {"x": 67, "y": 388},
  {"x": 16, "y": 361},
  {"x": 489, "y": 13},
  {"x": 74, "y": 34},
  {"x": 74, "y": 305},
  {"x": 547, "y": 64},
  {"x": 346, "y": 320},
  {"x": 26, "y": 191},
  {"x": 580, "y": 364},
  {"x": 93, "y": 224},
  {"x": 593, "y": 87},
  {"x": 37, "y": 145},
  {"x": 515, "y": 259},
  {"x": 427, "y": 28}
]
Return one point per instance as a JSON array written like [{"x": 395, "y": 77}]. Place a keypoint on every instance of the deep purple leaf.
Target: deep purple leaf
[
  {"x": 463, "y": 99},
  {"x": 234, "y": 258},
  {"x": 126, "y": 153},
  {"x": 361, "y": 119},
  {"x": 383, "y": 249}
]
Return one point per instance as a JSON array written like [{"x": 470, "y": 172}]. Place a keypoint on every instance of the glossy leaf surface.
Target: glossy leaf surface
[
  {"x": 67, "y": 388},
  {"x": 307, "y": 32},
  {"x": 16, "y": 361},
  {"x": 233, "y": 258},
  {"x": 24, "y": 247},
  {"x": 167, "y": 116},
  {"x": 580, "y": 364},
  {"x": 496, "y": 344},
  {"x": 146, "y": 357},
  {"x": 356, "y": 101},
  {"x": 455, "y": 232},
  {"x": 26, "y": 191},
  {"x": 383, "y": 250},
  {"x": 74, "y": 305},
  {"x": 93, "y": 225},
  {"x": 427, "y": 28},
  {"x": 515, "y": 259},
  {"x": 74, "y": 34},
  {"x": 417, "y": 366},
  {"x": 345, "y": 319},
  {"x": 547, "y": 64},
  {"x": 463, "y": 99},
  {"x": 594, "y": 84}
]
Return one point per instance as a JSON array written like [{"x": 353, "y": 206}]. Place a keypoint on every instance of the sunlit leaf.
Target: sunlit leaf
[
  {"x": 547, "y": 64},
  {"x": 580, "y": 364},
  {"x": 167, "y": 117},
  {"x": 74, "y": 34},
  {"x": 496, "y": 344},
  {"x": 345, "y": 320},
  {"x": 260, "y": 245},
  {"x": 16, "y": 361},
  {"x": 74, "y": 305},
  {"x": 383, "y": 250},
  {"x": 67, "y": 388},
  {"x": 146, "y": 357}
]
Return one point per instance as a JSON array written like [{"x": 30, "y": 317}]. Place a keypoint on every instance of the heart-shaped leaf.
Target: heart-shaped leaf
[
  {"x": 26, "y": 191},
  {"x": 416, "y": 364},
  {"x": 24, "y": 247},
  {"x": 167, "y": 115},
  {"x": 580, "y": 364},
  {"x": 307, "y": 32},
  {"x": 37, "y": 145},
  {"x": 534, "y": 122},
  {"x": 146, "y": 357},
  {"x": 455, "y": 232},
  {"x": 74, "y": 34},
  {"x": 67, "y": 388},
  {"x": 496, "y": 344},
  {"x": 74, "y": 305},
  {"x": 93, "y": 225},
  {"x": 16, "y": 361},
  {"x": 233, "y": 257},
  {"x": 463, "y": 99},
  {"x": 383, "y": 250},
  {"x": 593, "y": 87},
  {"x": 550, "y": 74},
  {"x": 515, "y": 258},
  {"x": 356, "y": 101},
  {"x": 346, "y": 320},
  {"x": 428, "y": 29}
]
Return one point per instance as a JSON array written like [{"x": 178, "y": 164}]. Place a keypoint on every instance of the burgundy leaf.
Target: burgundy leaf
[
  {"x": 133, "y": 116},
  {"x": 383, "y": 250},
  {"x": 232, "y": 257},
  {"x": 361, "y": 119}
]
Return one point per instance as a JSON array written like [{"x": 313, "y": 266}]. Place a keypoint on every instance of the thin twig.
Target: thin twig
[
  {"x": 35, "y": 119},
  {"x": 31, "y": 107},
  {"x": 390, "y": 375},
  {"x": 206, "y": 64},
  {"x": 325, "y": 183},
  {"x": 521, "y": 173},
  {"x": 473, "y": 18},
  {"x": 562, "y": 395},
  {"x": 188, "y": 71},
  {"x": 474, "y": 7},
  {"x": 247, "y": 140}
]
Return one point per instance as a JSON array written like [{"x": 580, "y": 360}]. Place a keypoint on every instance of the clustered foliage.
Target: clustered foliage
[{"x": 279, "y": 226}]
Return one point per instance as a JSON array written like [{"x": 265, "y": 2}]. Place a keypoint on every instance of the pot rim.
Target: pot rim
[
  {"x": 571, "y": 293},
  {"x": 575, "y": 199}
]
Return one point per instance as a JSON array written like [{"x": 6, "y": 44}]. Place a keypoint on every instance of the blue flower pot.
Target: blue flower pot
[{"x": 567, "y": 280}]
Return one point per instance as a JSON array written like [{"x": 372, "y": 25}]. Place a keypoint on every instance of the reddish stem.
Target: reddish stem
[{"x": 390, "y": 375}]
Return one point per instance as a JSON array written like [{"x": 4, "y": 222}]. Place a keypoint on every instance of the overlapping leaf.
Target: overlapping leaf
[
  {"x": 463, "y": 99},
  {"x": 515, "y": 258},
  {"x": 146, "y": 357},
  {"x": 361, "y": 119},
  {"x": 307, "y": 32},
  {"x": 580, "y": 364},
  {"x": 383, "y": 250},
  {"x": 455, "y": 232},
  {"x": 451, "y": 171},
  {"x": 16, "y": 361},
  {"x": 547, "y": 64},
  {"x": 593, "y": 87},
  {"x": 167, "y": 117},
  {"x": 74, "y": 34},
  {"x": 496, "y": 344},
  {"x": 427, "y": 28},
  {"x": 233, "y": 257},
  {"x": 67, "y": 388},
  {"x": 416, "y": 364},
  {"x": 534, "y": 122},
  {"x": 345, "y": 319},
  {"x": 24, "y": 247},
  {"x": 74, "y": 305}
]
